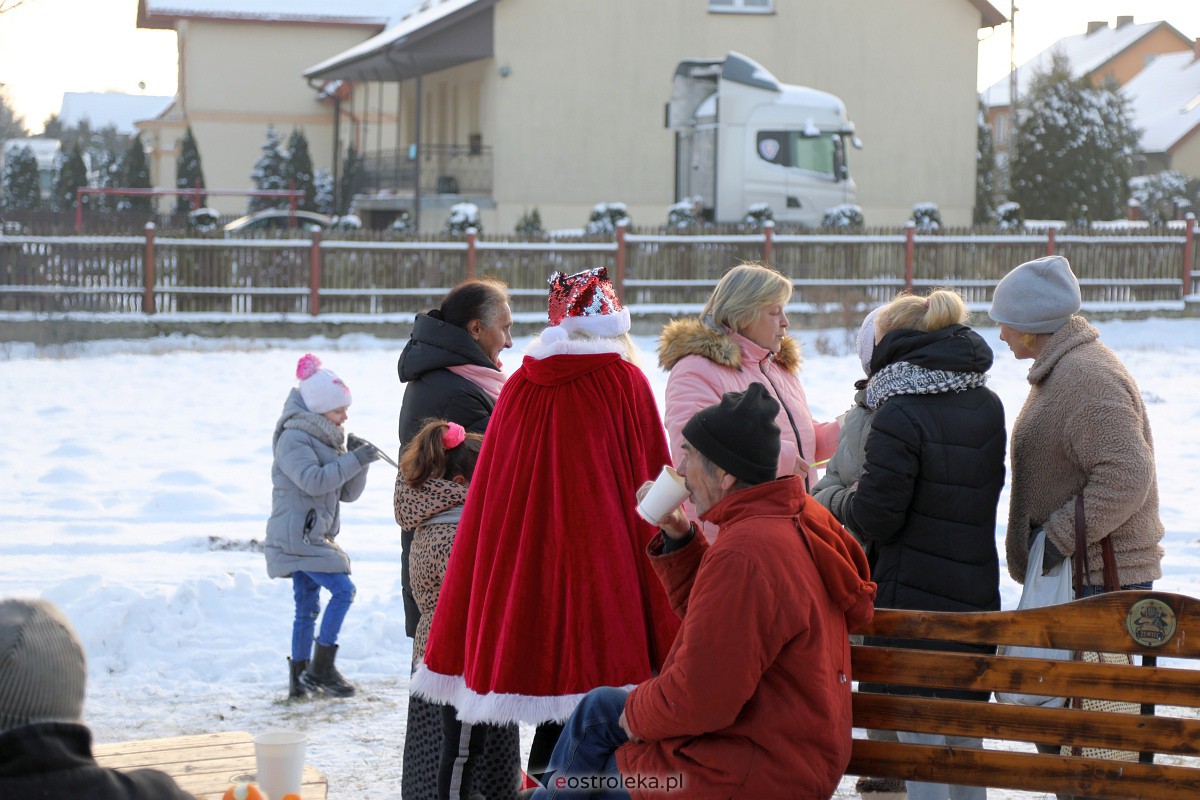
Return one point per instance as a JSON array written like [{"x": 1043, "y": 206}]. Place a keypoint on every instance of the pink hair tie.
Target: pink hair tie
[{"x": 453, "y": 435}]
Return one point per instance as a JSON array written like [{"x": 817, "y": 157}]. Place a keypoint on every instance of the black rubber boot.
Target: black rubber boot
[
  {"x": 323, "y": 676},
  {"x": 296, "y": 687}
]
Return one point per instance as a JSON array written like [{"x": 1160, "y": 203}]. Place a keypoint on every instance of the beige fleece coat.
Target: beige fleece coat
[{"x": 1084, "y": 428}]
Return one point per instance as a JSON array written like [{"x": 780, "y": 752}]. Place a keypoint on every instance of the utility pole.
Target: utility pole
[{"x": 1012, "y": 65}]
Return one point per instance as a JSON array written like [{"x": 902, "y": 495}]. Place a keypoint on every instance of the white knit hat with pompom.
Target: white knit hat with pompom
[{"x": 320, "y": 389}]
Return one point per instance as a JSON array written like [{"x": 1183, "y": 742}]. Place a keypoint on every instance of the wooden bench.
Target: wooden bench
[
  {"x": 1154, "y": 625},
  {"x": 204, "y": 765}
]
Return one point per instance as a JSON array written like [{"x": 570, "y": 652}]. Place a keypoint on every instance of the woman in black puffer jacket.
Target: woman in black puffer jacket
[
  {"x": 926, "y": 502},
  {"x": 451, "y": 371}
]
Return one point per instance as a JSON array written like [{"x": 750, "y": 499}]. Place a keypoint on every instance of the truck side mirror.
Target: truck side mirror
[{"x": 840, "y": 170}]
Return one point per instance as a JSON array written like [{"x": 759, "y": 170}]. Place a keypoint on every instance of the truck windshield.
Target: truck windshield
[{"x": 793, "y": 149}]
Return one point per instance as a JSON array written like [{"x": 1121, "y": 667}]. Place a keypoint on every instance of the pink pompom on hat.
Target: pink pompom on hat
[
  {"x": 586, "y": 301},
  {"x": 320, "y": 389}
]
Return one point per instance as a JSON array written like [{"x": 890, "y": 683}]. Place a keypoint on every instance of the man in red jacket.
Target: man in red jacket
[{"x": 753, "y": 699}]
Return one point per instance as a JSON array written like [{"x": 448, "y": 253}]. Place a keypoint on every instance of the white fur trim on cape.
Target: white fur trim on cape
[
  {"x": 494, "y": 707},
  {"x": 554, "y": 342},
  {"x": 604, "y": 325}
]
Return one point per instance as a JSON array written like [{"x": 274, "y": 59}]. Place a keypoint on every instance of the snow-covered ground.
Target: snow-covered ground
[{"x": 136, "y": 482}]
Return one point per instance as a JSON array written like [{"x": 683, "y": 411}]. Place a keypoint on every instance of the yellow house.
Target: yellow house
[
  {"x": 562, "y": 104},
  {"x": 1165, "y": 103},
  {"x": 240, "y": 66},
  {"x": 559, "y": 105}
]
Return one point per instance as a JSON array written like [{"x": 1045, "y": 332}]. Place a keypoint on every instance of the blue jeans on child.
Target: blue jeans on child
[
  {"x": 306, "y": 586},
  {"x": 584, "y": 762}
]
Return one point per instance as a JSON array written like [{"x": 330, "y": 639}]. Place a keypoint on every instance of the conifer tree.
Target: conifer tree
[
  {"x": 189, "y": 174},
  {"x": 299, "y": 171},
  {"x": 72, "y": 174},
  {"x": 135, "y": 174},
  {"x": 106, "y": 166},
  {"x": 22, "y": 189},
  {"x": 1074, "y": 148},
  {"x": 323, "y": 187},
  {"x": 985, "y": 171},
  {"x": 352, "y": 179},
  {"x": 269, "y": 173},
  {"x": 11, "y": 125}
]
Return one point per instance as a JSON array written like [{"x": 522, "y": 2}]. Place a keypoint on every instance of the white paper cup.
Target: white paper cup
[
  {"x": 279, "y": 757},
  {"x": 665, "y": 494}
]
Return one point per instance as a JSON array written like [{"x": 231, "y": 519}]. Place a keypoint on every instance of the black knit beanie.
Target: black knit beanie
[{"x": 739, "y": 434}]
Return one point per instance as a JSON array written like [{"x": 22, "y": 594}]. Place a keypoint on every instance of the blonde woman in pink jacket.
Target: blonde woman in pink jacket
[{"x": 739, "y": 339}]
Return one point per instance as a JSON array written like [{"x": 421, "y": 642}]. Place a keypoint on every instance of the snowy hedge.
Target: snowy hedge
[
  {"x": 463, "y": 217},
  {"x": 757, "y": 215},
  {"x": 606, "y": 217},
  {"x": 846, "y": 215}
]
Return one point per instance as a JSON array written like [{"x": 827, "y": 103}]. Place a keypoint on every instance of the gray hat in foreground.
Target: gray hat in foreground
[
  {"x": 43, "y": 672},
  {"x": 1037, "y": 297}
]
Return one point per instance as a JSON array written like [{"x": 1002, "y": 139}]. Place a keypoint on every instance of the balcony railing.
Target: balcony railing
[{"x": 445, "y": 169}]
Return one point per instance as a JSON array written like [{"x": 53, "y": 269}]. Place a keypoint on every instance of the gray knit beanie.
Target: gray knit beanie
[
  {"x": 1037, "y": 297},
  {"x": 42, "y": 667},
  {"x": 865, "y": 343}
]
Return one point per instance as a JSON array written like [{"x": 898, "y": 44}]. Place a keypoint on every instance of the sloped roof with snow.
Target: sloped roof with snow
[
  {"x": 419, "y": 16},
  {"x": 1164, "y": 99},
  {"x": 355, "y": 12},
  {"x": 102, "y": 109},
  {"x": 1086, "y": 53}
]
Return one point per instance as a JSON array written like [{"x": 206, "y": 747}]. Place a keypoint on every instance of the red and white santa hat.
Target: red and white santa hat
[
  {"x": 320, "y": 389},
  {"x": 586, "y": 301}
]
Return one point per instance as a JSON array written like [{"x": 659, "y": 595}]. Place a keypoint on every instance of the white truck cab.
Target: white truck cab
[{"x": 743, "y": 138}]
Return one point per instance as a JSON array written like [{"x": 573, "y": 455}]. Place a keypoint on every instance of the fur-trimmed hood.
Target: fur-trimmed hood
[{"x": 692, "y": 337}]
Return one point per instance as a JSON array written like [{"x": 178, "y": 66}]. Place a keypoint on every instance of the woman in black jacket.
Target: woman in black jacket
[
  {"x": 926, "y": 502},
  {"x": 451, "y": 370},
  {"x": 451, "y": 364}
]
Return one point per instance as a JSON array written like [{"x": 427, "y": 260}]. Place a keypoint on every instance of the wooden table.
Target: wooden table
[{"x": 205, "y": 765}]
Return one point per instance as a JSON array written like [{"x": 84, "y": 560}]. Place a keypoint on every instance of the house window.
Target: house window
[
  {"x": 1000, "y": 131},
  {"x": 742, "y": 6}
]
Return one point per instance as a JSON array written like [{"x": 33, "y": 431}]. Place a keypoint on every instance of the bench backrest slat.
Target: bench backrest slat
[
  {"x": 1155, "y": 734},
  {"x": 1071, "y": 626},
  {"x": 1026, "y": 771},
  {"x": 1026, "y": 675}
]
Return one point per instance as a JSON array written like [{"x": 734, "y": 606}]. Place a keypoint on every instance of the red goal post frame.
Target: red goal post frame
[{"x": 293, "y": 195}]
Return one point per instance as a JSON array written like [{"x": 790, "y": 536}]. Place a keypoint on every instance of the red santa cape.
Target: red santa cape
[{"x": 549, "y": 592}]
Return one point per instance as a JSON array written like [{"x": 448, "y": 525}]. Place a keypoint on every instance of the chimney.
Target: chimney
[
  {"x": 1096, "y": 25},
  {"x": 1123, "y": 21}
]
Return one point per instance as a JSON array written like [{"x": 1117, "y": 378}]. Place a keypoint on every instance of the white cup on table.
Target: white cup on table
[{"x": 279, "y": 758}]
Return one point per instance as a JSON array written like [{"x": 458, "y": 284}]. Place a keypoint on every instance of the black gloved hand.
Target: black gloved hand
[
  {"x": 366, "y": 453},
  {"x": 363, "y": 450}
]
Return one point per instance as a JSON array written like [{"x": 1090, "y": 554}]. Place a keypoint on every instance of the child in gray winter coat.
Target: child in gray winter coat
[
  {"x": 315, "y": 468},
  {"x": 846, "y": 465}
]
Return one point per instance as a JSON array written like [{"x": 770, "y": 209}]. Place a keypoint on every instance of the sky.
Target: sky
[
  {"x": 134, "y": 510},
  {"x": 112, "y": 54}
]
